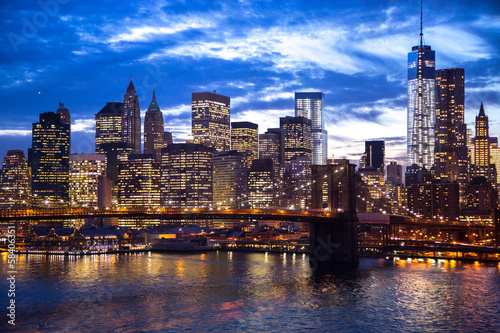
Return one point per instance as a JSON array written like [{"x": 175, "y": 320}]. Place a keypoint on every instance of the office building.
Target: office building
[
  {"x": 85, "y": 172},
  {"x": 50, "y": 161},
  {"x": 211, "y": 120},
  {"x": 154, "y": 130},
  {"x": 139, "y": 181},
  {"x": 421, "y": 105},
  {"x": 65, "y": 119},
  {"x": 451, "y": 160},
  {"x": 230, "y": 173},
  {"x": 435, "y": 200},
  {"x": 482, "y": 154},
  {"x": 245, "y": 139},
  {"x": 131, "y": 119},
  {"x": 14, "y": 181},
  {"x": 297, "y": 137},
  {"x": 374, "y": 156},
  {"x": 108, "y": 125},
  {"x": 261, "y": 187},
  {"x": 186, "y": 176},
  {"x": 271, "y": 147},
  {"x": 310, "y": 105}
]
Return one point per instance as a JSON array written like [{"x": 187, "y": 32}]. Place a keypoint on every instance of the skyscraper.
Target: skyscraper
[
  {"x": 451, "y": 156},
  {"x": 50, "y": 161},
  {"x": 229, "y": 179},
  {"x": 154, "y": 130},
  {"x": 211, "y": 120},
  {"x": 375, "y": 155},
  {"x": 108, "y": 125},
  {"x": 14, "y": 180},
  {"x": 482, "y": 152},
  {"x": 297, "y": 137},
  {"x": 186, "y": 175},
  {"x": 421, "y": 104},
  {"x": 245, "y": 139},
  {"x": 271, "y": 147},
  {"x": 85, "y": 171},
  {"x": 261, "y": 184},
  {"x": 131, "y": 125},
  {"x": 310, "y": 106},
  {"x": 109, "y": 137},
  {"x": 139, "y": 181},
  {"x": 65, "y": 119}
]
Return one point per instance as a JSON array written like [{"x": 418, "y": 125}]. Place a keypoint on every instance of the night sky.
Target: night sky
[{"x": 257, "y": 52}]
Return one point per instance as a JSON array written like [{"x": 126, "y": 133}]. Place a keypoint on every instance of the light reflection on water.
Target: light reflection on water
[{"x": 232, "y": 291}]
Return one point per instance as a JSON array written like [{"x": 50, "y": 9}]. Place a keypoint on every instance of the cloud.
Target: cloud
[
  {"x": 15, "y": 132},
  {"x": 83, "y": 125}
]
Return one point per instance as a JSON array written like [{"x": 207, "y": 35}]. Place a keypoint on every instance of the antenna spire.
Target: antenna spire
[
  {"x": 130, "y": 71},
  {"x": 421, "y": 25}
]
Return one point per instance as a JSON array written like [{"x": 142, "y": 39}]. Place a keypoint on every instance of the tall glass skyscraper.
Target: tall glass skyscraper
[
  {"x": 211, "y": 120},
  {"x": 421, "y": 104},
  {"x": 310, "y": 105}
]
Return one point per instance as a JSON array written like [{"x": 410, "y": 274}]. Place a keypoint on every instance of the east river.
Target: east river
[{"x": 248, "y": 292}]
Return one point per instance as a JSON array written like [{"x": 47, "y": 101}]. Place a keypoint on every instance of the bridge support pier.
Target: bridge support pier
[{"x": 336, "y": 241}]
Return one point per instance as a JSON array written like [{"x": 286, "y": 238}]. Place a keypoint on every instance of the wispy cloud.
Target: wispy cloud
[
  {"x": 83, "y": 125},
  {"x": 15, "y": 132}
]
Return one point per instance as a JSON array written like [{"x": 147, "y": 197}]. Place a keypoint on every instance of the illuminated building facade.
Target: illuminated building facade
[
  {"x": 50, "y": 161},
  {"x": 451, "y": 160},
  {"x": 85, "y": 171},
  {"x": 186, "y": 175},
  {"x": 65, "y": 119},
  {"x": 139, "y": 181},
  {"x": 108, "y": 126},
  {"x": 480, "y": 196},
  {"x": 421, "y": 105},
  {"x": 131, "y": 119},
  {"x": 154, "y": 130},
  {"x": 297, "y": 137},
  {"x": 14, "y": 181},
  {"x": 230, "y": 174},
  {"x": 482, "y": 153},
  {"x": 245, "y": 139},
  {"x": 310, "y": 105},
  {"x": 435, "y": 200},
  {"x": 211, "y": 120},
  {"x": 261, "y": 184},
  {"x": 271, "y": 147}
]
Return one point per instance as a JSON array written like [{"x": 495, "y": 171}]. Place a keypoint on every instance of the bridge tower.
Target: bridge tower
[{"x": 333, "y": 189}]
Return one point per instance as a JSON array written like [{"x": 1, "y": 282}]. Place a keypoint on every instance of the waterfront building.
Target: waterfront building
[
  {"x": 421, "y": 104},
  {"x": 186, "y": 175},
  {"x": 50, "y": 161},
  {"x": 154, "y": 130},
  {"x": 211, "y": 120},
  {"x": 85, "y": 174},
  {"x": 245, "y": 139},
  {"x": 14, "y": 181},
  {"x": 261, "y": 184},
  {"x": 435, "y": 200},
  {"x": 297, "y": 137},
  {"x": 481, "y": 196},
  {"x": 139, "y": 181},
  {"x": 230, "y": 174},
  {"x": 131, "y": 119},
  {"x": 310, "y": 105}
]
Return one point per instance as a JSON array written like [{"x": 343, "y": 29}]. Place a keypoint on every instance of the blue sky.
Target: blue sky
[{"x": 257, "y": 52}]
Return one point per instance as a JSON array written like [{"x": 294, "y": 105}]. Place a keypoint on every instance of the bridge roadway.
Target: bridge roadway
[
  {"x": 276, "y": 214},
  {"x": 171, "y": 214}
]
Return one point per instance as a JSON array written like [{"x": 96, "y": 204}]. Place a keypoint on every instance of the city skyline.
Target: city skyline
[{"x": 178, "y": 50}]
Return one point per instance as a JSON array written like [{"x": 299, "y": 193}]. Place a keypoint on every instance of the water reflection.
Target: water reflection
[{"x": 224, "y": 291}]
